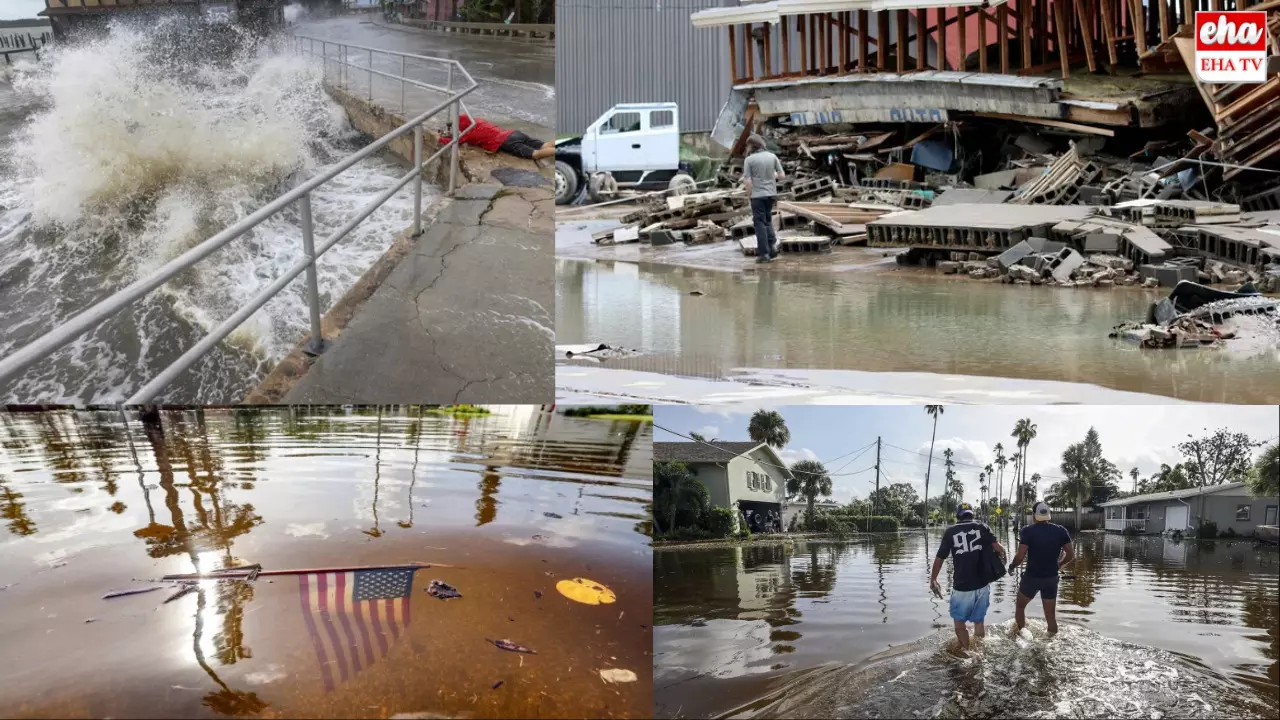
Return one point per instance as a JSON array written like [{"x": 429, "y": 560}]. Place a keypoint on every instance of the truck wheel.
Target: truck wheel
[
  {"x": 602, "y": 187},
  {"x": 682, "y": 184},
  {"x": 566, "y": 183}
]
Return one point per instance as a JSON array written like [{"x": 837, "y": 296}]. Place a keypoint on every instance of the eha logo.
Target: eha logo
[{"x": 1231, "y": 47}]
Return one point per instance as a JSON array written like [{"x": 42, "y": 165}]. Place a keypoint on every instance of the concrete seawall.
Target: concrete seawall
[{"x": 521, "y": 182}]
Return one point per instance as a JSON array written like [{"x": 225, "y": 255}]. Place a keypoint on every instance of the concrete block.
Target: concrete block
[
  {"x": 1014, "y": 254},
  {"x": 1067, "y": 262},
  {"x": 1102, "y": 242},
  {"x": 628, "y": 234},
  {"x": 662, "y": 237},
  {"x": 948, "y": 268}
]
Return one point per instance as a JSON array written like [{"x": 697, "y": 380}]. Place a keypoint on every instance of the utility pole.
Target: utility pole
[{"x": 874, "y": 506}]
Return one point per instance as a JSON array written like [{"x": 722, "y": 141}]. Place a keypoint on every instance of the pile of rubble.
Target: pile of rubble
[
  {"x": 996, "y": 203},
  {"x": 1194, "y": 316}
]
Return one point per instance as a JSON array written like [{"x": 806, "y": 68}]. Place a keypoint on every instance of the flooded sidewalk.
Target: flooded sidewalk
[
  {"x": 1149, "y": 628},
  {"x": 508, "y": 508}
]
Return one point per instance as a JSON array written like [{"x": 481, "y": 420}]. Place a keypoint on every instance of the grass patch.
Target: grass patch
[
  {"x": 616, "y": 416},
  {"x": 460, "y": 410}
]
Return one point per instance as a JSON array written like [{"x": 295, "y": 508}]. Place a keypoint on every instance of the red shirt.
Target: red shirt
[{"x": 485, "y": 134}]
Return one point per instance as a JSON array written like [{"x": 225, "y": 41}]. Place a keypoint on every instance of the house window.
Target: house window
[
  {"x": 1140, "y": 512},
  {"x": 1242, "y": 513},
  {"x": 768, "y": 484}
]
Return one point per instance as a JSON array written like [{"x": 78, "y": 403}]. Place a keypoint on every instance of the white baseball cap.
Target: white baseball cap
[{"x": 1042, "y": 511}]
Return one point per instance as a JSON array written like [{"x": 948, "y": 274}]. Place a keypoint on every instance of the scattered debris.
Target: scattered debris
[
  {"x": 442, "y": 590},
  {"x": 586, "y": 591},
  {"x": 90, "y": 620},
  {"x": 537, "y": 594},
  {"x": 1194, "y": 315},
  {"x": 617, "y": 676},
  {"x": 181, "y": 591},
  {"x": 511, "y": 647},
  {"x": 496, "y": 685},
  {"x": 131, "y": 591},
  {"x": 553, "y": 515}
]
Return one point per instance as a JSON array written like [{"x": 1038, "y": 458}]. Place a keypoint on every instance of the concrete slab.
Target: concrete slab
[{"x": 466, "y": 316}]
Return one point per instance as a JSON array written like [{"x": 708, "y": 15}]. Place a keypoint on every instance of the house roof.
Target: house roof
[
  {"x": 1172, "y": 495},
  {"x": 718, "y": 452}
]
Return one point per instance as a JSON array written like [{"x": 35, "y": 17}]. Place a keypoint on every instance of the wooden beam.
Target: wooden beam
[
  {"x": 1024, "y": 31},
  {"x": 942, "y": 39},
  {"x": 1060, "y": 25},
  {"x": 1164, "y": 20},
  {"x": 804, "y": 46},
  {"x": 1086, "y": 33},
  {"x": 733, "y": 54},
  {"x": 1048, "y": 122},
  {"x": 882, "y": 38},
  {"x": 846, "y": 44},
  {"x": 863, "y": 18},
  {"x": 902, "y": 41},
  {"x": 962, "y": 14},
  {"x": 751, "y": 51},
  {"x": 1042, "y": 28},
  {"x": 1189, "y": 10},
  {"x": 786, "y": 46},
  {"x": 922, "y": 40},
  {"x": 1139, "y": 19},
  {"x": 1002, "y": 18},
  {"x": 768, "y": 50},
  {"x": 1109, "y": 31},
  {"x": 824, "y": 37},
  {"x": 982, "y": 40}
]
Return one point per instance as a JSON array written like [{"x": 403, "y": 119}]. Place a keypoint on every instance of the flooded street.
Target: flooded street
[
  {"x": 504, "y": 506},
  {"x": 1150, "y": 628},
  {"x": 709, "y": 323}
]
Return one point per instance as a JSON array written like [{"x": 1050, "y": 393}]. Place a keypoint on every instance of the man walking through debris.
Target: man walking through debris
[
  {"x": 1047, "y": 547},
  {"x": 970, "y": 591},
  {"x": 761, "y": 172}
]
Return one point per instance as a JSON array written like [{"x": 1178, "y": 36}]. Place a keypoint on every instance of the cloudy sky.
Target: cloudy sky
[
  {"x": 20, "y": 9},
  {"x": 1142, "y": 437}
]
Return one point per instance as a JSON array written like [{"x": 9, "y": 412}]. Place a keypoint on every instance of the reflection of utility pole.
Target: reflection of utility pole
[
  {"x": 875, "y": 504},
  {"x": 413, "y": 471},
  {"x": 377, "y": 476}
]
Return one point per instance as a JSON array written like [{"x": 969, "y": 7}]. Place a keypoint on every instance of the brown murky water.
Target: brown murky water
[
  {"x": 1150, "y": 628},
  {"x": 517, "y": 501}
]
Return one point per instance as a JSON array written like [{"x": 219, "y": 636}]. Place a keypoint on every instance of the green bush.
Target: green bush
[
  {"x": 1131, "y": 530},
  {"x": 718, "y": 521},
  {"x": 1208, "y": 529},
  {"x": 687, "y": 533},
  {"x": 832, "y": 523},
  {"x": 876, "y": 523}
]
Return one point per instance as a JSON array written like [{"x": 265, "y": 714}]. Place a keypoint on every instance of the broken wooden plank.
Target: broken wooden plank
[{"x": 1076, "y": 127}]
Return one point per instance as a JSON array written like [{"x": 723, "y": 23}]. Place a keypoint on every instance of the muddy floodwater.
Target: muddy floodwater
[
  {"x": 1149, "y": 628},
  {"x": 504, "y": 506},
  {"x": 869, "y": 316}
]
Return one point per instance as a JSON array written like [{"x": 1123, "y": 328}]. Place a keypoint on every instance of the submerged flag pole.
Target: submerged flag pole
[{"x": 242, "y": 573}]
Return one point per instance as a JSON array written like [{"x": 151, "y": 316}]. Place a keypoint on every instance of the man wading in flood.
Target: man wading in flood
[
  {"x": 1042, "y": 543},
  {"x": 761, "y": 172},
  {"x": 971, "y": 592}
]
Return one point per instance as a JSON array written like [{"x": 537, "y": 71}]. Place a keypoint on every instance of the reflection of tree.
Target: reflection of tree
[
  {"x": 15, "y": 512},
  {"x": 819, "y": 575},
  {"x": 487, "y": 505},
  {"x": 225, "y": 701}
]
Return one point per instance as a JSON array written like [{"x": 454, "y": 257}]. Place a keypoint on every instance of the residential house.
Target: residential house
[
  {"x": 1229, "y": 505},
  {"x": 748, "y": 476}
]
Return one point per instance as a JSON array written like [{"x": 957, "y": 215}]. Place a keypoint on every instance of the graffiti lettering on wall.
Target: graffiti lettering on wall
[{"x": 906, "y": 115}]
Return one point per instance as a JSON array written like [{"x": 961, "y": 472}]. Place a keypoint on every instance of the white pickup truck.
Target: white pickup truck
[{"x": 634, "y": 146}]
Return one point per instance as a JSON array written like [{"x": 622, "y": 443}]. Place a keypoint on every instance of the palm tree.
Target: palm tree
[
  {"x": 1133, "y": 473},
  {"x": 933, "y": 411},
  {"x": 1000, "y": 462},
  {"x": 1025, "y": 431},
  {"x": 809, "y": 479},
  {"x": 1016, "y": 459},
  {"x": 1265, "y": 481},
  {"x": 982, "y": 491},
  {"x": 767, "y": 426},
  {"x": 675, "y": 489},
  {"x": 702, "y": 438},
  {"x": 947, "y": 454}
]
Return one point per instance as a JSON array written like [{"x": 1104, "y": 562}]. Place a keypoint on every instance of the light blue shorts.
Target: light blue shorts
[{"x": 970, "y": 605}]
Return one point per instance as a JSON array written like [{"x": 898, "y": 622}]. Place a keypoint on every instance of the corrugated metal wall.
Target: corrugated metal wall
[{"x": 614, "y": 51}]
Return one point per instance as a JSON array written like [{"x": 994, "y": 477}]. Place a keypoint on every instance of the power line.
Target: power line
[{"x": 760, "y": 462}]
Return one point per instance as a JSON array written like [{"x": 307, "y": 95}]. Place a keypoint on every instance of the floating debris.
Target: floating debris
[
  {"x": 537, "y": 594},
  {"x": 131, "y": 591},
  {"x": 442, "y": 590},
  {"x": 587, "y": 592},
  {"x": 617, "y": 676},
  {"x": 496, "y": 685},
  {"x": 511, "y": 647},
  {"x": 186, "y": 588},
  {"x": 553, "y": 515}
]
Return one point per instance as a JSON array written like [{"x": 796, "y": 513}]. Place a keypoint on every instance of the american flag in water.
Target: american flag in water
[{"x": 354, "y": 617}]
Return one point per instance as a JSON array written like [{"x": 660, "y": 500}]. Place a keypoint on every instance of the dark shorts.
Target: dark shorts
[
  {"x": 521, "y": 145},
  {"x": 1046, "y": 586}
]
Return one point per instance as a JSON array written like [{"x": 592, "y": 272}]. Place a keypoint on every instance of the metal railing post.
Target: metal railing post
[
  {"x": 316, "y": 345},
  {"x": 343, "y": 77},
  {"x": 417, "y": 180},
  {"x": 370, "y": 76},
  {"x": 402, "y": 76},
  {"x": 457, "y": 131}
]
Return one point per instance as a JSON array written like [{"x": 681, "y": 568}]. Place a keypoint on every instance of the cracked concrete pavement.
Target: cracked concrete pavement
[{"x": 467, "y": 316}]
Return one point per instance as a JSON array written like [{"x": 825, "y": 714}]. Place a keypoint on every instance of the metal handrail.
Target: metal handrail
[{"x": 103, "y": 310}]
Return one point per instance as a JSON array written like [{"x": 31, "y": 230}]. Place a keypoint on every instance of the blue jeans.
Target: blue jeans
[
  {"x": 970, "y": 605},
  {"x": 762, "y": 218}
]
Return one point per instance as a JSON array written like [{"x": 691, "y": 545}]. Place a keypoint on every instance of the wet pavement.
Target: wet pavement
[
  {"x": 823, "y": 629},
  {"x": 515, "y": 502},
  {"x": 517, "y": 79},
  {"x": 871, "y": 316}
]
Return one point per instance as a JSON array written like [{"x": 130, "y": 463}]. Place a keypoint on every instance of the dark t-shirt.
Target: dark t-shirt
[
  {"x": 1044, "y": 541},
  {"x": 965, "y": 542}
]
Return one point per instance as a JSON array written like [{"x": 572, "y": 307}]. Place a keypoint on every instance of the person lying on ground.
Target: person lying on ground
[
  {"x": 486, "y": 135},
  {"x": 1047, "y": 548},
  {"x": 970, "y": 592}
]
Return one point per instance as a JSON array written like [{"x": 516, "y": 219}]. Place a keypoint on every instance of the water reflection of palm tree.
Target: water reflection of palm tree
[
  {"x": 487, "y": 505},
  {"x": 820, "y": 575},
  {"x": 20, "y": 523},
  {"x": 376, "y": 530},
  {"x": 164, "y": 540},
  {"x": 225, "y": 701},
  {"x": 414, "y": 431}
]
